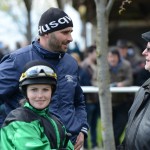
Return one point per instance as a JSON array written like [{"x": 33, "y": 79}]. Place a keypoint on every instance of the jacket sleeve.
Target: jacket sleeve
[
  {"x": 24, "y": 136},
  {"x": 80, "y": 107},
  {"x": 9, "y": 76}
]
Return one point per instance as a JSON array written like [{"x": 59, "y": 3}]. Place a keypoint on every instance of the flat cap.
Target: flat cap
[
  {"x": 146, "y": 36},
  {"x": 122, "y": 43}
]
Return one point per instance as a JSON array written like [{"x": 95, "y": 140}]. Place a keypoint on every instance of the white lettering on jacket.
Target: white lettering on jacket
[{"x": 54, "y": 24}]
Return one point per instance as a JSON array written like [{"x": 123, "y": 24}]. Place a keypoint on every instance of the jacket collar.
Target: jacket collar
[
  {"x": 45, "y": 53},
  {"x": 146, "y": 85},
  {"x": 40, "y": 112}
]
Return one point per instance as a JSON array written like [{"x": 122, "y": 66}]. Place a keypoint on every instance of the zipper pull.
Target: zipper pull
[{"x": 59, "y": 56}]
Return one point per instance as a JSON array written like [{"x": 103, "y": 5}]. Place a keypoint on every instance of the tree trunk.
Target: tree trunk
[
  {"x": 28, "y": 34},
  {"x": 104, "y": 76}
]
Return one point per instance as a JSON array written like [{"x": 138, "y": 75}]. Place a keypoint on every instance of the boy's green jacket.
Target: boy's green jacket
[{"x": 30, "y": 129}]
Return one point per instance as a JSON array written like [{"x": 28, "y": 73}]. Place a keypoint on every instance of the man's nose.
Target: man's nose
[
  {"x": 70, "y": 39},
  {"x": 144, "y": 51}
]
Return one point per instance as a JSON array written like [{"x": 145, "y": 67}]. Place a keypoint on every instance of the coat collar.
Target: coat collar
[
  {"x": 146, "y": 83},
  {"x": 45, "y": 53},
  {"x": 40, "y": 112}
]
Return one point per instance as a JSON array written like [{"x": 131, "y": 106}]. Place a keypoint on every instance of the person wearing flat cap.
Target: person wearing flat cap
[
  {"x": 137, "y": 133},
  {"x": 68, "y": 104}
]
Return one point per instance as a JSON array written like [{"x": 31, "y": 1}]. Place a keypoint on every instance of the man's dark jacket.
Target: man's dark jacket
[
  {"x": 68, "y": 100},
  {"x": 138, "y": 128}
]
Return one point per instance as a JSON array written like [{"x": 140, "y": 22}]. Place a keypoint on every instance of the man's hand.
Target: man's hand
[{"x": 79, "y": 141}]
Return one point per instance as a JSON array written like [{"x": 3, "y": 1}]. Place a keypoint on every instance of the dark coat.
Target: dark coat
[{"x": 137, "y": 135}]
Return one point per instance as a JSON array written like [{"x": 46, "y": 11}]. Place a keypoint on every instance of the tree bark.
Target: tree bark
[
  {"x": 28, "y": 34},
  {"x": 103, "y": 75}
]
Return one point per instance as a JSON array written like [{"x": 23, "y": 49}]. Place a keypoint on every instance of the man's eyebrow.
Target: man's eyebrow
[{"x": 67, "y": 31}]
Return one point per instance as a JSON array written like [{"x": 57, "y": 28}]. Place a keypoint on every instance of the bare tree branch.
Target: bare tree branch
[
  {"x": 109, "y": 6},
  {"x": 122, "y": 7}
]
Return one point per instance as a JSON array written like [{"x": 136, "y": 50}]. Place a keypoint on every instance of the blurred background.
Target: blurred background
[{"x": 19, "y": 21}]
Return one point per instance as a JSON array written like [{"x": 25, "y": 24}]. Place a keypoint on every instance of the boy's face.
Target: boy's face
[{"x": 39, "y": 95}]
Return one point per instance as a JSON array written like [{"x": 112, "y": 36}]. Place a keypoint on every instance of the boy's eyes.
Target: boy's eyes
[
  {"x": 34, "y": 89},
  {"x": 46, "y": 89}
]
